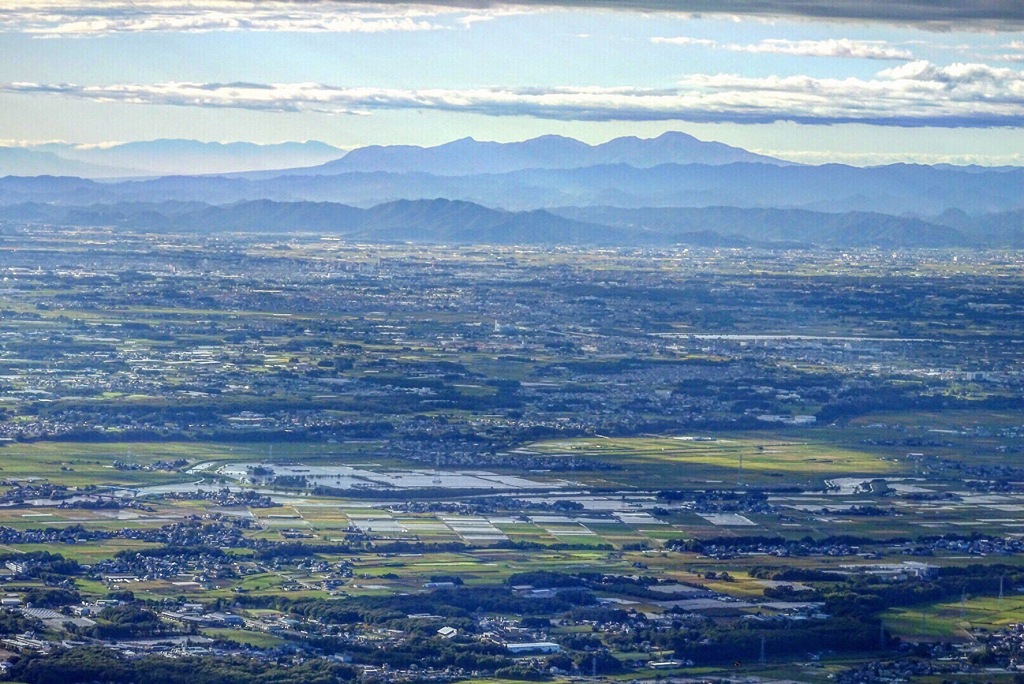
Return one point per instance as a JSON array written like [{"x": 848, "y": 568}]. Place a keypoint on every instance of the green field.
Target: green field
[
  {"x": 953, "y": 620},
  {"x": 684, "y": 462}
]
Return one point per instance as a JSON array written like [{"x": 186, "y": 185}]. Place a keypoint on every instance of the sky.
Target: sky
[{"x": 851, "y": 81}]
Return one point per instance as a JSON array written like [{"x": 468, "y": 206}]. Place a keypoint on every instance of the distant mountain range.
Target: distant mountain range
[
  {"x": 437, "y": 221},
  {"x": 22, "y": 161},
  {"x": 160, "y": 158},
  {"x": 470, "y": 157},
  {"x": 673, "y": 189},
  {"x": 898, "y": 189},
  {"x": 461, "y": 157},
  {"x": 458, "y": 222}
]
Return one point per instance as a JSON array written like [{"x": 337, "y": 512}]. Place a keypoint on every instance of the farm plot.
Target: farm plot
[{"x": 690, "y": 462}]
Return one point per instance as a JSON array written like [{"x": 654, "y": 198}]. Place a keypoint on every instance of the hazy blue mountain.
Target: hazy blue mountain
[
  {"x": 448, "y": 221},
  {"x": 155, "y": 216},
  {"x": 674, "y": 148},
  {"x": 266, "y": 216},
  {"x": 53, "y": 189},
  {"x": 1002, "y": 228},
  {"x": 21, "y": 161},
  {"x": 464, "y": 157},
  {"x": 766, "y": 226},
  {"x": 434, "y": 221},
  {"x": 460, "y": 157},
  {"x": 172, "y": 156},
  {"x": 896, "y": 189},
  {"x": 900, "y": 190},
  {"x": 468, "y": 156}
]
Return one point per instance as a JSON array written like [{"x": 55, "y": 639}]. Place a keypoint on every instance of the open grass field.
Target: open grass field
[
  {"x": 750, "y": 459},
  {"x": 484, "y": 566},
  {"x": 683, "y": 462},
  {"x": 790, "y": 458},
  {"x": 89, "y": 553},
  {"x": 918, "y": 440},
  {"x": 244, "y": 637},
  {"x": 953, "y": 620}
]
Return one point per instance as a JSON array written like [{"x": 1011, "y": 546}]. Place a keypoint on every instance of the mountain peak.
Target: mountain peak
[
  {"x": 468, "y": 141},
  {"x": 467, "y": 156},
  {"x": 679, "y": 135}
]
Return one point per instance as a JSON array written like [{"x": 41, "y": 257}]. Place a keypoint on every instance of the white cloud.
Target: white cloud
[
  {"x": 15, "y": 142},
  {"x": 959, "y": 75},
  {"x": 684, "y": 40},
  {"x": 98, "y": 17},
  {"x": 56, "y": 18},
  {"x": 73, "y": 17},
  {"x": 913, "y": 94},
  {"x": 882, "y": 158},
  {"x": 836, "y": 47},
  {"x": 467, "y": 19},
  {"x": 842, "y": 47},
  {"x": 1013, "y": 56},
  {"x": 63, "y": 18}
]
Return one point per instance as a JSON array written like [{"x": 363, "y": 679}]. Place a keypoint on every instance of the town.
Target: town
[{"x": 303, "y": 459}]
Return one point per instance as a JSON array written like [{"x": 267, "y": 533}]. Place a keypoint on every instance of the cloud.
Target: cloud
[
  {"x": 882, "y": 158},
  {"x": 940, "y": 15},
  {"x": 917, "y": 93},
  {"x": 63, "y": 18},
  {"x": 1017, "y": 56},
  {"x": 98, "y": 17},
  {"x": 837, "y": 47},
  {"x": 842, "y": 47},
  {"x": 17, "y": 142},
  {"x": 685, "y": 40}
]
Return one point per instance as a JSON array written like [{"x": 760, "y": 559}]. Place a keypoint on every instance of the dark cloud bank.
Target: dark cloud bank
[{"x": 937, "y": 15}]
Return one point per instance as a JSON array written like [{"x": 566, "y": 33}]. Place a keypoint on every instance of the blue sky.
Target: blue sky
[{"x": 931, "y": 85}]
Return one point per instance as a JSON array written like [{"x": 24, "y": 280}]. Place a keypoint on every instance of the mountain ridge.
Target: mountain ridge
[
  {"x": 27, "y": 162},
  {"x": 177, "y": 156},
  {"x": 467, "y": 156},
  {"x": 898, "y": 190},
  {"x": 457, "y": 222},
  {"x": 162, "y": 156}
]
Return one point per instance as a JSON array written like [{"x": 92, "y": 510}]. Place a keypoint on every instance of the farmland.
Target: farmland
[{"x": 331, "y": 451}]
